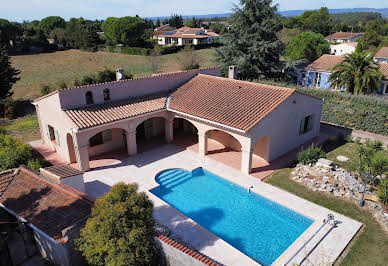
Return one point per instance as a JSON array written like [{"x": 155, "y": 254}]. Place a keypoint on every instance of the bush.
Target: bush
[
  {"x": 120, "y": 230},
  {"x": 383, "y": 191},
  {"x": 361, "y": 112},
  {"x": 311, "y": 155},
  {"x": 188, "y": 59},
  {"x": 379, "y": 164},
  {"x": 376, "y": 145},
  {"x": 46, "y": 89},
  {"x": 14, "y": 153}
]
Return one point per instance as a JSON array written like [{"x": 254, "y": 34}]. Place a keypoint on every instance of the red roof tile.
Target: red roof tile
[
  {"x": 384, "y": 69},
  {"x": 233, "y": 103},
  {"x": 383, "y": 52},
  {"x": 93, "y": 115},
  {"x": 325, "y": 63},
  {"x": 343, "y": 35},
  {"x": 51, "y": 208}
]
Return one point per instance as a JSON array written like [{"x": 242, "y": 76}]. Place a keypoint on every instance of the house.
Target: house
[
  {"x": 185, "y": 35},
  {"x": 318, "y": 73},
  {"x": 343, "y": 37},
  {"x": 255, "y": 119},
  {"x": 343, "y": 48},
  {"x": 382, "y": 55},
  {"x": 165, "y": 27},
  {"x": 53, "y": 213}
]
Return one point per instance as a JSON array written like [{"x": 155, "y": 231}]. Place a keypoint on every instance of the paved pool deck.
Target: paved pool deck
[{"x": 324, "y": 248}]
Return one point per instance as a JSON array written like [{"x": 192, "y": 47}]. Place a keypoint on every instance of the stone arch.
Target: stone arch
[
  {"x": 105, "y": 140},
  {"x": 70, "y": 147},
  {"x": 224, "y": 138},
  {"x": 151, "y": 133},
  {"x": 185, "y": 133},
  {"x": 261, "y": 148}
]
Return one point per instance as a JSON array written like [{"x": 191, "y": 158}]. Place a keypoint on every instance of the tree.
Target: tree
[
  {"x": 9, "y": 31},
  {"x": 217, "y": 27},
  {"x": 126, "y": 30},
  {"x": 251, "y": 44},
  {"x": 369, "y": 40},
  {"x": 8, "y": 75},
  {"x": 318, "y": 21},
  {"x": 49, "y": 23},
  {"x": 81, "y": 33},
  {"x": 175, "y": 21},
  {"x": 158, "y": 23},
  {"x": 192, "y": 23},
  {"x": 307, "y": 45},
  {"x": 357, "y": 73},
  {"x": 120, "y": 230},
  {"x": 188, "y": 59}
]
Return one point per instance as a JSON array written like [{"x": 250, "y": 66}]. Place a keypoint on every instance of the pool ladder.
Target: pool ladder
[{"x": 330, "y": 217}]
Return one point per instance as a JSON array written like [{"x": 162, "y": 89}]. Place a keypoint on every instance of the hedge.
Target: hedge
[
  {"x": 362, "y": 112},
  {"x": 125, "y": 50}
]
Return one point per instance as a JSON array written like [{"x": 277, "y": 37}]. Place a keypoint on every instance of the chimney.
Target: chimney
[
  {"x": 232, "y": 73},
  {"x": 120, "y": 74}
]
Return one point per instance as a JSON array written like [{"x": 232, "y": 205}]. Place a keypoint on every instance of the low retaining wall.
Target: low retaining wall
[{"x": 334, "y": 129}]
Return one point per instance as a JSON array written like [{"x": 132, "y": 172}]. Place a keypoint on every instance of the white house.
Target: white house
[
  {"x": 185, "y": 35},
  {"x": 343, "y": 48},
  {"x": 343, "y": 37}
]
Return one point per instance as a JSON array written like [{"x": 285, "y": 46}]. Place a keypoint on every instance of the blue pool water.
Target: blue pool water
[{"x": 251, "y": 223}]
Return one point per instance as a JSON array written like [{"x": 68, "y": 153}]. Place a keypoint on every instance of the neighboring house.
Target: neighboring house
[
  {"x": 343, "y": 48},
  {"x": 382, "y": 55},
  {"x": 343, "y": 37},
  {"x": 185, "y": 35},
  {"x": 318, "y": 73},
  {"x": 54, "y": 213},
  {"x": 255, "y": 119},
  {"x": 166, "y": 27}
]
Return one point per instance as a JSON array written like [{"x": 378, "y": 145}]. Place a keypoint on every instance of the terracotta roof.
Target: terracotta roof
[
  {"x": 51, "y": 208},
  {"x": 6, "y": 178},
  {"x": 97, "y": 114},
  {"x": 384, "y": 69},
  {"x": 195, "y": 254},
  {"x": 343, "y": 35},
  {"x": 325, "y": 63},
  {"x": 187, "y": 33},
  {"x": 233, "y": 103},
  {"x": 383, "y": 52},
  {"x": 63, "y": 171}
]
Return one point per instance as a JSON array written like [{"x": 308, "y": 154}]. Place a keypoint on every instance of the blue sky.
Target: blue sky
[{"x": 17, "y": 10}]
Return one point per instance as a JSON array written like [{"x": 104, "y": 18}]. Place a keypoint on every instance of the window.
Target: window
[
  {"x": 52, "y": 134},
  {"x": 89, "y": 97},
  {"x": 106, "y": 94},
  {"x": 101, "y": 138},
  {"x": 306, "y": 124}
]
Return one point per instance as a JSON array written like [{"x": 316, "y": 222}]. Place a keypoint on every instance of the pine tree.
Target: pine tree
[
  {"x": 251, "y": 42},
  {"x": 7, "y": 75}
]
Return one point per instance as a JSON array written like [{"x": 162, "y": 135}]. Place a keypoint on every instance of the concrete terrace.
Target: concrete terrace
[{"x": 142, "y": 168}]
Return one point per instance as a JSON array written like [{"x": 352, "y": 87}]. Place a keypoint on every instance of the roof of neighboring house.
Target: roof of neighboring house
[
  {"x": 50, "y": 207},
  {"x": 186, "y": 33},
  {"x": 6, "y": 178},
  {"x": 383, "y": 52},
  {"x": 63, "y": 171},
  {"x": 384, "y": 69},
  {"x": 343, "y": 35},
  {"x": 325, "y": 63},
  {"x": 97, "y": 114},
  {"x": 233, "y": 103}
]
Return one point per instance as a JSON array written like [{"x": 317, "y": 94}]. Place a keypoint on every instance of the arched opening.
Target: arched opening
[
  {"x": 107, "y": 147},
  {"x": 261, "y": 148},
  {"x": 89, "y": 97},
  {"x": 70, "y": 147},
  {"x": 106, "y": 93},
  {"x": 185, "y": 134},
  {"x": 150, "y": 134},
  {"x": 221, "y": 141}
]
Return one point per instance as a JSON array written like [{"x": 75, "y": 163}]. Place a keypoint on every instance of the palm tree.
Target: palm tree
[{"x": 357, "y": 73}]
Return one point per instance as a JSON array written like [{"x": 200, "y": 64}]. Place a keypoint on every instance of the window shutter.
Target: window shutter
[
  {"x": 56, "y": 137},
  {"x": 48, "y": 132},
  {"x": 301, "y": 127}
]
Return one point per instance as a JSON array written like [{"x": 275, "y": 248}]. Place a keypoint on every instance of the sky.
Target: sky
[{"x": 19, "y": 10}]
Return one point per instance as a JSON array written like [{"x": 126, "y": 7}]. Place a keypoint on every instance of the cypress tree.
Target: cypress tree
[
  {"x": 8, "y": 75},
  {"x": 251, "y": 42}
]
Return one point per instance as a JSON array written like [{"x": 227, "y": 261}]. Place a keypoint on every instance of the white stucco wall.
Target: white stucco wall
[
  {"x": 342, "y": 49},
  {"x": 282, "y": 124}
]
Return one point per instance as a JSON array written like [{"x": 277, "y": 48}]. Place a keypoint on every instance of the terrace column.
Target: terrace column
[
  {"x": 81, "y": 154},
  {"x": 246, "y": 156},
  {"x": 169, "y": 130},
  {"x": 131, "y": 143},
  {"x": 202, "y": 143}
]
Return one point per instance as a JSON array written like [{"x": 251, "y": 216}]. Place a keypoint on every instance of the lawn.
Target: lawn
[
  {"x": 52, "y": 68},
  {"x": 25, "y": 129},
  {"x": 368, "y": 247}
]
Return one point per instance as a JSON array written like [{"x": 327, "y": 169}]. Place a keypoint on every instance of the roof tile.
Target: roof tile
[
  {"x": 383, "y": 52},
  {"x": 325, "y": 63}
]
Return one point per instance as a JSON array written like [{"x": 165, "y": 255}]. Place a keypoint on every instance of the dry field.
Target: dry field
[{"x": 53, "y": 68}]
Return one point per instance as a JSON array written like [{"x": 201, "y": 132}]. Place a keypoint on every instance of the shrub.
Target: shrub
[
  {"x": 311, "y": 155},
  {"x": 45, "y": 89},
  {"x": 383, "y": 191},
  {"x": 188, "y": 59},
  {"x": 376, "y": 145},
  {"x": 14, "y": 153},
  {"x": 62, "y": 85},
  {"x": 120, "y": 230},
  {"x": 349, "y": 138},
  {"x": 379, "y": 163},
  {"x": 87, "y": 80}
]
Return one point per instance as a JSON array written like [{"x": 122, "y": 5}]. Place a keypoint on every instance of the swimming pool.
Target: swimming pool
[{"x": 258, "y": 227}]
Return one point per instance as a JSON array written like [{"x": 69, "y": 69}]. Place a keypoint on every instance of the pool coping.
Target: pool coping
[{"x": 270, "y": 195}]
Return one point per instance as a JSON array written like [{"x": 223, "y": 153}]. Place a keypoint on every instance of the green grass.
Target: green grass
[
  {"x": 52, "y": 68},
  {"x": 369, "y": 247},
  {"x": 25, "y": 129},
  {"x": 346, "y": 149}
]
